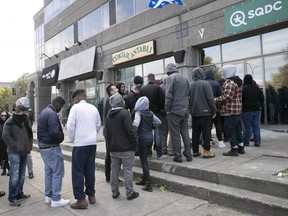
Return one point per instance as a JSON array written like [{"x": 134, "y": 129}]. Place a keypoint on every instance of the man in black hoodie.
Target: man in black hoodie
[{"x": 121, "y": 142}]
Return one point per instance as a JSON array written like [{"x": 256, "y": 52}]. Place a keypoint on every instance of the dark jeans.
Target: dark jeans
[
  {"x": 107, "y": 165},
  {"x": 218, "y": 126},
  {"x": 251, "y": 120},
  {"x": 144, "y": 146},
  {"x": 83, "y": 171},
  {"x": 233, "y": 127},
  {"x": 202, "y": 125}
]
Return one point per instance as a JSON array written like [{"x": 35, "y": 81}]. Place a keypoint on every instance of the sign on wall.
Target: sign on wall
[
  {"x": 254, "y": 14},
  {"x": 139, "y": 51}
]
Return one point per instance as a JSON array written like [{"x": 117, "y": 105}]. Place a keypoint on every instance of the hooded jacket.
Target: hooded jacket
[
  {"x": 231, "y": 98},
  {"x": 119, "y": 133},
  {"x": 18, "y": 135},
  {"x": 216, "y": 87},
  {"x": 201, "y": 95},
  {"x": 144, "y": 119},
  {"x": 176, "y": 92}
]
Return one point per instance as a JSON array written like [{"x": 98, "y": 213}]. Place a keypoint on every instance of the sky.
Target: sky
[{"x": 17, "y": 37}]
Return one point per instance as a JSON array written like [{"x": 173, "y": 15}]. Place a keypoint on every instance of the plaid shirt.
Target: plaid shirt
[{"x": 231, "y": 98}]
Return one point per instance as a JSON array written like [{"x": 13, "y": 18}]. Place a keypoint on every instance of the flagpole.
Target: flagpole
[{"x": 201, "y": 31}]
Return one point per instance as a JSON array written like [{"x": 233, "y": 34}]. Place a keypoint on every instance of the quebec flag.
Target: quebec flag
[{"x": 162, "y": 3}]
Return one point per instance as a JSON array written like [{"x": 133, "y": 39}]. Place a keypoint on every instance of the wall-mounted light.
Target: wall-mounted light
[
  {"x": 43, "y": 54},
  {"x": 67, "y": 48},
  {"x": 84, "y": 40}
]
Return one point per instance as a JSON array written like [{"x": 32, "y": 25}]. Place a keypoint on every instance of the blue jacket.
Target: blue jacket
[{"x": 49, "y": 130}]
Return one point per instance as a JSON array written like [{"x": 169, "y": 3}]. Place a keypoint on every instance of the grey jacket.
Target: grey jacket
[
  {"x": 201, "y": 95},
  {"x": 177, "y": 94},
  {"x": 18, "y": 137}
]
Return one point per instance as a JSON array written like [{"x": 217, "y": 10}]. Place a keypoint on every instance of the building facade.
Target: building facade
[{"x": 88, "y": 44}]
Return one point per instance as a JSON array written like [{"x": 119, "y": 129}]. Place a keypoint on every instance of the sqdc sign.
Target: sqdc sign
[{"x": 254, "y": 14}]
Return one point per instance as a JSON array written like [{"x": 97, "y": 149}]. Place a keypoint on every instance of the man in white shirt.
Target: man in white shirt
[{"x": 83, "y": 125}]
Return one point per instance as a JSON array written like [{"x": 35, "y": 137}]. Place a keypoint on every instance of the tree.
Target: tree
[
  {"x": 6, "y": 98},
  {"x": 21, "y": 85}
]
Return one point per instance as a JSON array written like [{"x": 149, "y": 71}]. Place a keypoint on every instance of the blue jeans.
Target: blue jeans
[
  {"x": 83, "y": 171},
  {"x": 17, "y": 176},
  {"x": 252, "y": 120},
  {"x": 54, "y": 171},
  {"x": 233, "y": 128}
]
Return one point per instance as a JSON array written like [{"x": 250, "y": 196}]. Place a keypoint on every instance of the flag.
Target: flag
[{"x": 161, "y": 3}]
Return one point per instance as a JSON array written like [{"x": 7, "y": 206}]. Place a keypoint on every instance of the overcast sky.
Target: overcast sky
[{"x": 17, "y": 37}]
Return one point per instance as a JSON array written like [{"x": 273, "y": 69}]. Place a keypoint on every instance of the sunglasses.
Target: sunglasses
[{"x": 3, "y": 115}]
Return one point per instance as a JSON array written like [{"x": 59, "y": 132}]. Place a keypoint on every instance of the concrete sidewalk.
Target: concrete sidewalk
[{"x": 155, "y": 203}]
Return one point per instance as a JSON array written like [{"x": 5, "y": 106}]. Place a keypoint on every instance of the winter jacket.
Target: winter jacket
[
  {"x": 18, "y": 136},
  {"x": 216, "y": 87},
  {"x": 177, "y": 94},
  {"x": 252, "y": 98},
  {"x": 49, "y": 130},
  {"x": 201, "y": 95},
  {"x": 119, "y": 133}
]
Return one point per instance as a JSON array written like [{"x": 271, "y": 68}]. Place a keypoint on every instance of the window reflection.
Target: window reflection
[
  {"x": 254, "y": 67},
  {"x": 124, "y": 9},
  {"x": 275, "y": 41},
  {"x": 211, "y": 55},
  {"x": 244, "y": 48},
  {"x": 155, "y": 67}
]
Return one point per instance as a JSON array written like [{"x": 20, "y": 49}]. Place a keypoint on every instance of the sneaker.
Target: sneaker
[
  {"x": 232, "y": 152},
  {"x": 3, "y": 173},
  {"x": 188, "y": 158},
  {"x": 47, "y": 199},
  {"x": 15, "y": 203},
  {"x": 31, "y": 175},
  {"x": 24, "y": 196},
  {"x": 59, "y": 203},
  {"x": 162, "y": 157},
  {"x": 8, "y": 173},
  {"x": 178, "y": 160},
  {"x": 116, "y": 196},
  {"x": 2, "y": 193},
  {"x": 133, "y": 196},
  {"x": 241, "y": 150},
  {"x": 257, "y": 145},
  {"x": 221, "y": 144}
]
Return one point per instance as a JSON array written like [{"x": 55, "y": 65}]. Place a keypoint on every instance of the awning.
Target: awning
[
  {"x": 80, "y": 63},
  {"x": 50, "y": 75}
]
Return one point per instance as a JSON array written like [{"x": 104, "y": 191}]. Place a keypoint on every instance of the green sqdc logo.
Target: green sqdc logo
[{"x": 254, "y": 14}]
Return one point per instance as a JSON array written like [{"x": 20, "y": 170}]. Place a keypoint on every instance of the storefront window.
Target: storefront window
[
  {"x": 276, "y": 41},
  {"x": 240, "y": 49},
  {"x": 254, "y": 67},
  {"x": 155, "y": 67},
  {"x": 211, "y": 55},
  {"x": 124, "y": 9}
]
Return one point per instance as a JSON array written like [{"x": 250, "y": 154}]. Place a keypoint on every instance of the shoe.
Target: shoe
[
  {"x": 221, "y": 144},
  {"x": 196, "y": 154},
  {"x": 148, "y": 187},
  {"x": 59, "y": 203},
  {"x": 8, "y": 173},
  {"x": 3, "y": 173},
  {"x": 31, "y": 175},
  {"x": 257, "y": 145},
  {"x": 177, "y": 160},
  {"x": 188, "y": 158},
  {"x": 241, "y": 150},
  {"x": 165, "y": 152},
  {"x": 24, "y": 196},
  {"x": 208, "y": 154},
  {"x": 232, "y": 152},
  {"x": 47, "y": 199},
  {"x": 162, "y": 157},
  {"x": 15, "y": 203},
  {"x": 121, "y": 183},
  {"x": 133, "y": 196},
  {"x": 92, "y": 199},
  {"x": 79, "y": 204},
  {"x": 142, "y": 182},
  {"x": 116, "y": 196},
  {"x": 149, "y": 157},
  {"x": 2, "y": 193}
]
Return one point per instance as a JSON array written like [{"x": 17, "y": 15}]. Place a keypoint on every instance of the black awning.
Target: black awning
[{"x": 50, "y": 75}]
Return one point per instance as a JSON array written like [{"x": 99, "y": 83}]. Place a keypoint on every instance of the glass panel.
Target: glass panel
[
  {"x": 212, "y": 55},
  {"x": 275, "y": 41},
  {"x": 105, "y": 16},
  {"x": 155, "y": 67},
  {"x": 141, "y": 5},
  {"x": 276, "y": 77},
  {"x": 96, "y": 22},
  {"x": 240, "y": 69},
  {"x": 129, "y": 74},
  {"x": 124, "y": 9},
  {"x": 254, "y": 67},
  {"x": 138, "y": 70},
  {"x": 241, "y": 49}
]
